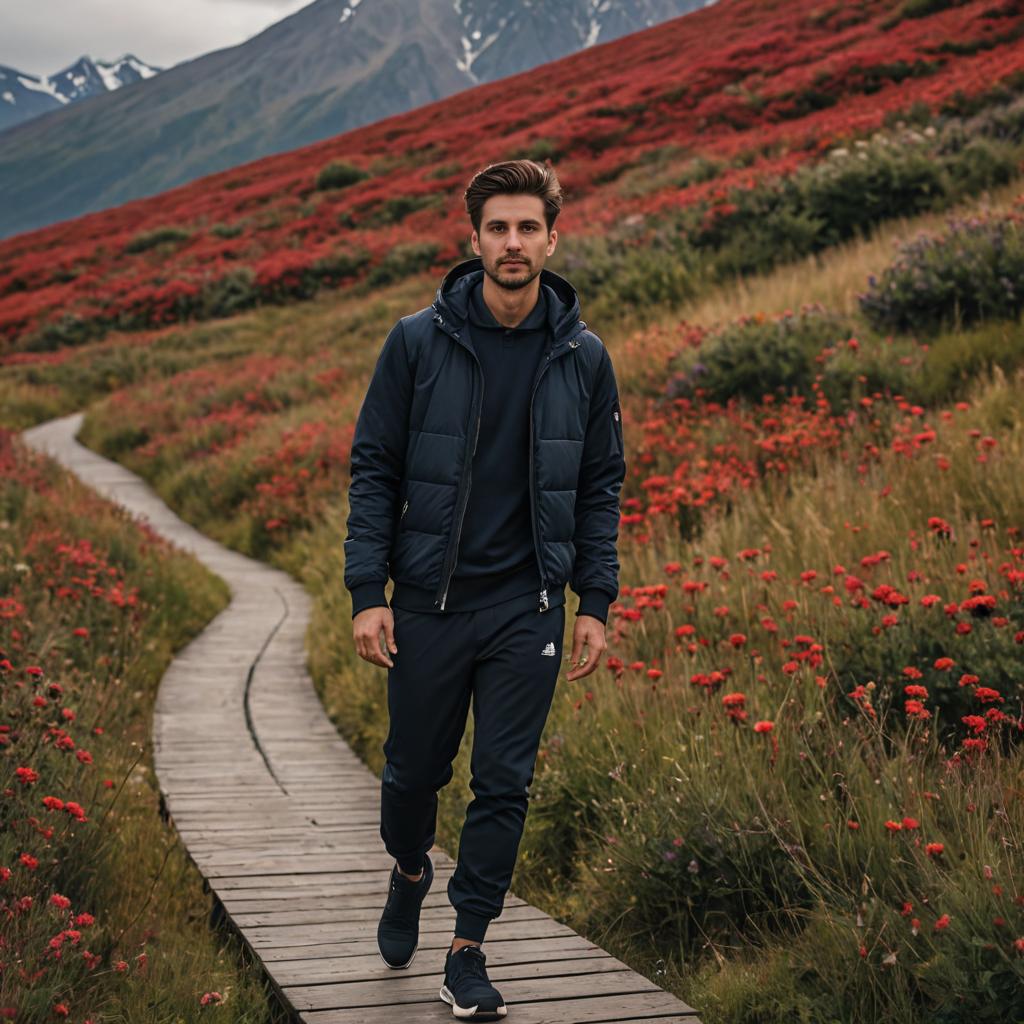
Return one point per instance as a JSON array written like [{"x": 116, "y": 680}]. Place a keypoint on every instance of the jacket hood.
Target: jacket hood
[{"x": 452, "y": 299}]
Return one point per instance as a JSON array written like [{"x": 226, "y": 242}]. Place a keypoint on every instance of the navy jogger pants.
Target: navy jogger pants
[{"x": 507, "y": 659}]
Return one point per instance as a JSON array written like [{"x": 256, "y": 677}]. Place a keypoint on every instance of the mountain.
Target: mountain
[
  {"x": 24, "y": 96},
  {"x": 330, "y": 67},
  {"x": 745, "y": 150}
]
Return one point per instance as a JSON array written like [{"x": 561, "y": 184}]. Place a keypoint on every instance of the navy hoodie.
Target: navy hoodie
[{"x": 496, "y": 559}]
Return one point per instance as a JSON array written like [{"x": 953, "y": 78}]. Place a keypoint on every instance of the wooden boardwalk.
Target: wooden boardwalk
[{"x": 283, "y": 819}]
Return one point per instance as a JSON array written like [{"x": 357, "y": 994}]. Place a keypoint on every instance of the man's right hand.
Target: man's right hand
[{"x": 366, "y": 629}]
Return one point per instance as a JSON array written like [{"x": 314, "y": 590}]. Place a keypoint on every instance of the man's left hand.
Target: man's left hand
[{"x": 590, "y": 632}]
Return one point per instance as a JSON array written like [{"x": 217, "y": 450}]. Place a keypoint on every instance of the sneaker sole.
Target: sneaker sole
[
  {"x": 399, "y": 967},
  {"x": 470, "y": 1012}
]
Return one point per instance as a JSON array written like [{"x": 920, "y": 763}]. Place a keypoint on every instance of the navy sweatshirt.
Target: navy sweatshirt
[{"x": 496, "y": 559}]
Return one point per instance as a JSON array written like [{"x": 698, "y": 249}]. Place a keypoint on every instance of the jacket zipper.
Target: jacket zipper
[
  {"x": 533, "y": 502},
  {"x": 469, "y": 479}
]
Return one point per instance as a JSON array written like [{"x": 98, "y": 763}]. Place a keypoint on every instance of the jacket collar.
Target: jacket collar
[{"x": 451, "y": 301}]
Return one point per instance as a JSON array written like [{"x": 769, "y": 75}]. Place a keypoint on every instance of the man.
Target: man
[{"x": 487, "y": 463}]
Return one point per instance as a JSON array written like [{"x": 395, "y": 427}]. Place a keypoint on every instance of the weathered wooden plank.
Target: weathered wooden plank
[
  {"x": 364, "y": 965},
  {"x": 321, "y": 908},
  {"x": 271, "y": 943},
  {"x": 403, "y": 991},
  {"x": 367, "y": 861},
  {"x": 659, "y": 1006},
  {"x": 338, "y": 921}
]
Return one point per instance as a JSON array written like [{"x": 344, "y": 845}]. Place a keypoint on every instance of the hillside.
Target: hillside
[
  {"x": 329, "y": 67},
  {"x": 641, "y": 131}
]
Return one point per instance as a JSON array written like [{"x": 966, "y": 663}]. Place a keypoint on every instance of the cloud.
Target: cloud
[{"x": 42, "y": 38}]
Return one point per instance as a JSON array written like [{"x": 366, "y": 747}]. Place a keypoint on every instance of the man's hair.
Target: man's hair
[{"x": 514, "y": 177}]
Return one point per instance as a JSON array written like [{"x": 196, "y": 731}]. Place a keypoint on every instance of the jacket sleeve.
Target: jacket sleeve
[
  {"x": 595, "y": 576},
  {"x": 377, "y": 465}
]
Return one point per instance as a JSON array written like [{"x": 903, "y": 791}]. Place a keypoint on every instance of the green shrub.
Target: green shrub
[
  {"x": 395, "y": 209},
  {"x": 68, "y": 330},
  {"x": 446, "y": 170},
  {"x": 339, "y": 174},
  {"x": 230, "y": 293},
  {"x": 871, "y": 184},
  {"x": 814, "y": 352},
  {"x": 403, "y": 261},
  {"x": 167, "y": 234},
  {"x": 340, "y": 265},
  {"x": 613, "y": 275},
  {"x": 955, "y": 359},
  {"x": 982, "y": 164},
  {"x": 538, "y": 149},
  {"x": 975, "y": 271},
  {"x": 752, "y": 357},
  {"x": 226, "y": 230}
]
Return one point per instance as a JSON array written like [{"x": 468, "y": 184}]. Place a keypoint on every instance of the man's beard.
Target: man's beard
[{"x": 512, "y": 283}]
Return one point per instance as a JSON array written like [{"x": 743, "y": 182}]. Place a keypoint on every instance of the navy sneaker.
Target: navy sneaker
[
  {"x": 467, "y": 989},
  {"x": 398, "y": 932}
]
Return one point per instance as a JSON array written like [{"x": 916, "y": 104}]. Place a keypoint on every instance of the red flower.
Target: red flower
[
  {"x": 942, "y": 922},
  {"x": 934, "y": 849},
  {"x": 986, "y": 694},
  {"x": 915, "y": 709},
  {"x": 944, "y": 663}
]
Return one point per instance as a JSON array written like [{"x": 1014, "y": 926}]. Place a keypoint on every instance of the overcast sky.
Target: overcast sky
[{"x": 44, "y": 36}]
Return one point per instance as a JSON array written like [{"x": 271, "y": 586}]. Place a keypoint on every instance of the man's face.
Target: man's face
[{"x": 513, "y": 241}]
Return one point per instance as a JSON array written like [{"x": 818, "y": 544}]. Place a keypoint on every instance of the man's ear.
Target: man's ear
[
  {"x": 474, "y": 241},
  {"x": 552, "y": 241}
]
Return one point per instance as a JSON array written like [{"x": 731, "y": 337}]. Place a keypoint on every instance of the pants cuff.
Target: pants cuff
[
  {"x": 412, "y": 865},
  {"x": 471, "y": 926}
]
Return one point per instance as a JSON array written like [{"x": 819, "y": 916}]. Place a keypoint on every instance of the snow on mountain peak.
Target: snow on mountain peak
[{"x": 348, "y": 10}]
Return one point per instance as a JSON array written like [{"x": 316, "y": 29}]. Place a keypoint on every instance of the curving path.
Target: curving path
[{"x": 282, "y": 818}]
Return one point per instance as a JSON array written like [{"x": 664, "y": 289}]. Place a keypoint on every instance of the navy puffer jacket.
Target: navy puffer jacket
[{"x": 417, "y": 430}]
